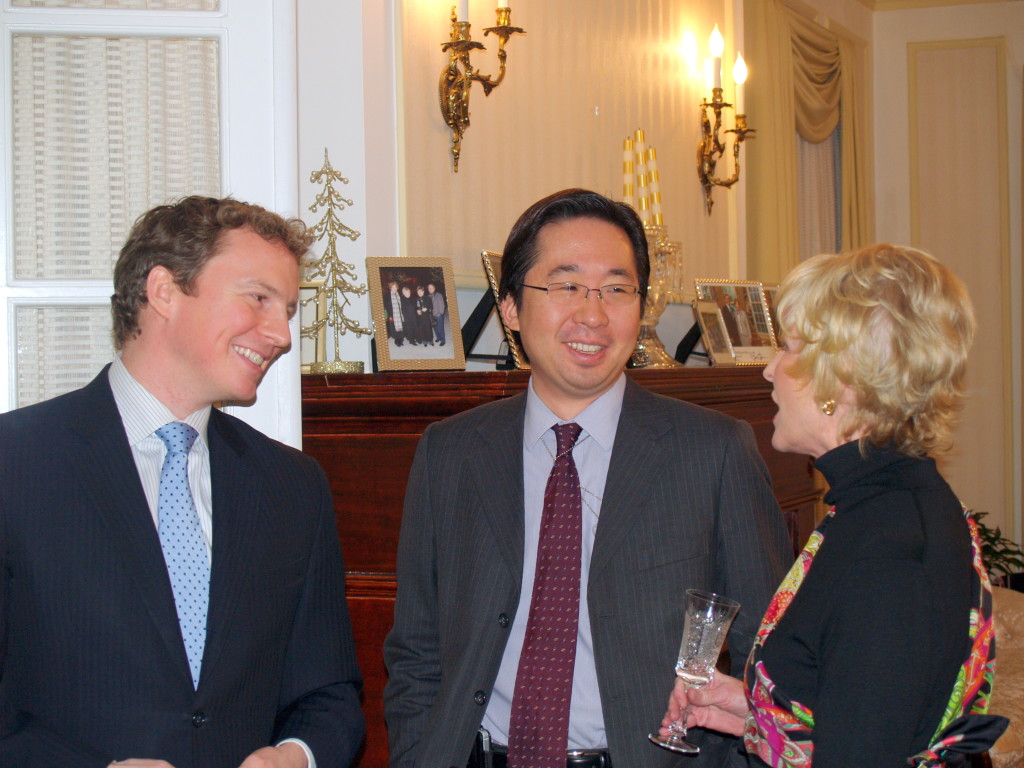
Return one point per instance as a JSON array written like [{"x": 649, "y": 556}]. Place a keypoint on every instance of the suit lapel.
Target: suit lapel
[
  {"x": 636, "y": 457},
  {"x": 237, "y": 489},
  {"x": 498, "y": 476},
  {"x": 105, "y": 465}
]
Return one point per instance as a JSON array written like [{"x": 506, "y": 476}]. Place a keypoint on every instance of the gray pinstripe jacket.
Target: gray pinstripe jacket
[{"x": 688, "y": 503}]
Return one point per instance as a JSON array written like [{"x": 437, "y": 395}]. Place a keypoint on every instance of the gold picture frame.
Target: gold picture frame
[
  {"x": 745, "y": 317},
  {"x": 492, "y": 266},
  {"x": 403, "y": 345},
  {"x": 713, "y": 333},
  {"x": 770, "y": 303}
]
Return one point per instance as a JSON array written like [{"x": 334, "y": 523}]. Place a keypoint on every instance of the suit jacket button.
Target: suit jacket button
[
  {"x": 480, "y": 698},
  {"x": 198, "y": 719},
  {"x": 503, "y": 620}
]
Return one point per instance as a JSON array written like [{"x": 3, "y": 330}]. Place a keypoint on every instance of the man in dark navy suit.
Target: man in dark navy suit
[{"x": 93, "y": 665}]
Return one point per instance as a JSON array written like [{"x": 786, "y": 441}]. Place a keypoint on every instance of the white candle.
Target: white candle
[
  {"x": 639, "y": 147},
  {"x": 739, "y": 76},
  {"x": 502, "y": 4},
  {"x": 641, "y": 176},
  {"x": 652, "y": 161},
  {"x": 654, "y": 184},
  {"x": 716, "y": 45},
  {"x": 463, "y": 10},
  {"x": 628, "y": 174}
]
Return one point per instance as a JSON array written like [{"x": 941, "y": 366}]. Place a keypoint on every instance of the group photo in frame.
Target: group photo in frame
[
  {"x": 415, "y": 314},
  {"x": 747, "y": 321},
  {"x": 492, "y": 267}
]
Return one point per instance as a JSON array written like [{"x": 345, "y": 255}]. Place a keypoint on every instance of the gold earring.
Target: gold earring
[{"x": 828, "y": 407}]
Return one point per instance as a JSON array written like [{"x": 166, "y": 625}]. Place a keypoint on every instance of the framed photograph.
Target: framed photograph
[
  {"x": 769, "y": 292},
  {"x": 746, "y": 319},
  {"x": 415, "y": 314},
  {"x": 312, "y": 324},
  {"x": 492, "y": 266},
  {"x": 713, "y": 333}
]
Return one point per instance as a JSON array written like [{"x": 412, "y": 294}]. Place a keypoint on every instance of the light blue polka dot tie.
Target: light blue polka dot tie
[{"x": 182, "y": 541}]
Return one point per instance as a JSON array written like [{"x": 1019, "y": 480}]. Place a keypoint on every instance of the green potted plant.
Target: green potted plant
[{"x": 1003, "y": 557}]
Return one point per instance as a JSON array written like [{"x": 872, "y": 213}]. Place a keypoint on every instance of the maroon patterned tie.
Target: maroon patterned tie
[{"x": 539, "y": 728}]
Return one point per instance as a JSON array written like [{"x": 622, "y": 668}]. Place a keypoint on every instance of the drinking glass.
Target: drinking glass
[{"x": 708, "y": 617}]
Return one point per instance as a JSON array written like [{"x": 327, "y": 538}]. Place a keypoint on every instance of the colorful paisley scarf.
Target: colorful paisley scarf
[{"x": 778, "y": 730}]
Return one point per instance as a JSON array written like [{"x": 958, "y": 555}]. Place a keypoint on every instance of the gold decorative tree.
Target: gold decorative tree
[{"x": 338, "y": 278}]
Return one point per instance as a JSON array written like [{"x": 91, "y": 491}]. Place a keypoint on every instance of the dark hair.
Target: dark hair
[
  {"x": 182, "y": 237},
  {"x": 520, "y": 252}
]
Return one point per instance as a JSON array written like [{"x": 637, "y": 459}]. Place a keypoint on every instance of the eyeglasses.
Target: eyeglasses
[{"x": 615, "y": 295}]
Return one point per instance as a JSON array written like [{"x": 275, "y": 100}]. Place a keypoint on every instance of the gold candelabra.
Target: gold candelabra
[
  {"x": 459, "y": 75},
  {"x": 711, "y": 149}
]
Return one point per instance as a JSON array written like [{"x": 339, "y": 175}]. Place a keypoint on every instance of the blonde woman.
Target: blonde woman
[{"x": 877, "y": 648}]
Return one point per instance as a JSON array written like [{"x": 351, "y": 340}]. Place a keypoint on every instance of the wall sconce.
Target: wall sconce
[
  {"x": 711, "y": 149},
  {"x": 458, "y": 76}
]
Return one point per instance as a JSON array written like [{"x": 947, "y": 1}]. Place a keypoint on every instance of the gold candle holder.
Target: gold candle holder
[
  {"x": 711, "y": 149},
  {"x": 458, "y": 77}
]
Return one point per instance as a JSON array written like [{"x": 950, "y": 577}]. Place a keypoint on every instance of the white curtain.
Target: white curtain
[
  {"x": 814, "y": 81},
  {"x": 103, "y": 129},
  {"x": 817, "y": 198}
]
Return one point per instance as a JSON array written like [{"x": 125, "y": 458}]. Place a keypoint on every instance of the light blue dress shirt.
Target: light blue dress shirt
[{"x": 592, "y": 455}]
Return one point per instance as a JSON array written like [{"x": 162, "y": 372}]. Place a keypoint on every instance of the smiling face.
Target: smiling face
[
  {"x": 800, "y": 424},
  {"x": 576, "y": 351},
  {"x": 216, "y": 345}
]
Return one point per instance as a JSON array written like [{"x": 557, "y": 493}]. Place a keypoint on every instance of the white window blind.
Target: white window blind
[
  {"x": 59, "y": 349},
  {"x": 122, "y": 5},
  {"x": 104, "y": 128}
]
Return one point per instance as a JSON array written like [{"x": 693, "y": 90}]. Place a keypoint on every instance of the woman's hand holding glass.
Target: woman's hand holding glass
[
  {"x": 706, "y": 623},
  {"x": 721, "y": 706}
]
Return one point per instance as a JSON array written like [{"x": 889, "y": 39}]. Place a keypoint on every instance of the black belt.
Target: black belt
[{"x": 488, "y": 755}]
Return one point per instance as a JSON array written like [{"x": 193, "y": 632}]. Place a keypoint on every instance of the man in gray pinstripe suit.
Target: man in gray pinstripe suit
[{"x": 673, "y": 496}]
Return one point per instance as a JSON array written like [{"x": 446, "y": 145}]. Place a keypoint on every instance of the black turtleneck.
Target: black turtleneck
[{"x": 874, "y": 638}]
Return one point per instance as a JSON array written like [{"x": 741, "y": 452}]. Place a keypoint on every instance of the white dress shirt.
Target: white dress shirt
[
  {"x": 592, "y": 455},
  {"x": 142, "y": 414}
]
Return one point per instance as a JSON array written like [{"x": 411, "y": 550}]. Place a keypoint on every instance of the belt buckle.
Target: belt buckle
[
  {"x": 591, "y": 757},
  {"x": 485, "y": 742}
]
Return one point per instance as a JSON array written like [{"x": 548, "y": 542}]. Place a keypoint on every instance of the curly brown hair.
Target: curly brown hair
[{"x": 182, "y": 237}]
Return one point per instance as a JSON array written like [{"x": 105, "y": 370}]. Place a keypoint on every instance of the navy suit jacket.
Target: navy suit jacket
[
  {"x": 92, "y": 665},
  {"x": 688, "y": 503}
]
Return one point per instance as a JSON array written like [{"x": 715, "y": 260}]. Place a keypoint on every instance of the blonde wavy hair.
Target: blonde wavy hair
[{"x": 894, "y": 326}]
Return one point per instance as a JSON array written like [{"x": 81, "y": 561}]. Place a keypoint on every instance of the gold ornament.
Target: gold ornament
[{"x": 338, "y": 278}]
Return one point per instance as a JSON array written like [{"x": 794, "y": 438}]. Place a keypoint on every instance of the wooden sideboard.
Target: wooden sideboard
[{"x": 363, "y": 430}]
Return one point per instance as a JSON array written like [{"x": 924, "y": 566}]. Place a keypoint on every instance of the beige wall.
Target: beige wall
[
  {"x": 583, "y": 78},
  {"x": 948, "y": 179}
]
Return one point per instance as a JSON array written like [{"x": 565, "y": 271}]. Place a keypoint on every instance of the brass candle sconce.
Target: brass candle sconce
[
  {"x": 711, "y": 148},
  {"x": 458, "y": 77}
]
